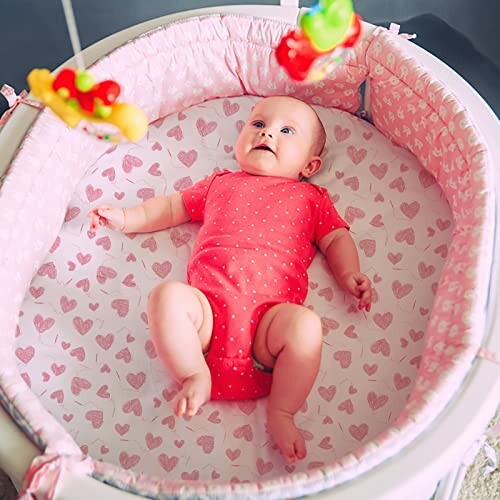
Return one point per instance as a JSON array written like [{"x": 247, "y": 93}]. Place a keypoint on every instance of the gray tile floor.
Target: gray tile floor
[{"x": 7, "y": 490}]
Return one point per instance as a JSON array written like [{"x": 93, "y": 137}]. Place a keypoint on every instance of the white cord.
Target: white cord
[{"x": 73, "y": 34}]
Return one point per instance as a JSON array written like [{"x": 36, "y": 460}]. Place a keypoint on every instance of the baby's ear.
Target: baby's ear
[{"x": 312, "y": 167}]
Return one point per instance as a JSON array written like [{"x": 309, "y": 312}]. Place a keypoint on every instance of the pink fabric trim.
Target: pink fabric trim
[
  {"x": 394, "y": 29},
  {"x": 14, "y": 100},
  {"x": 433, "y": 125},
  {"x": 45, "y": 472},
  {"x": 489, "y": 355}
]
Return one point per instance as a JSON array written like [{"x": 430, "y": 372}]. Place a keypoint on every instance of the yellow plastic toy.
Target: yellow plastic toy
[
  {"x": 73, "y": 102},
  {"x": 76, "y": 98}
]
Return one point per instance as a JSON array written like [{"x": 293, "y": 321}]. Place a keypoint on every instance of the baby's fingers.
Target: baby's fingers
[
  {"x": 365, "y": 301},
  {"x": 104, "y": 209},
  {"x": 94, "y": 223},
  {"x": 95, "y": 210},
  {"x": 363, "y": 282}
]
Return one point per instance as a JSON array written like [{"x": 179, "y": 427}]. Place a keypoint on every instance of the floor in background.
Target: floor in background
[
  {"x": 476, "y": 486},
  {"x": 7, "y": 491}
]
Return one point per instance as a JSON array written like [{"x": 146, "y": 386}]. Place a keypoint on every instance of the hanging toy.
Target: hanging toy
[
  {"x": 326, "y": 32},
  {"x": 76, "y": 98}
]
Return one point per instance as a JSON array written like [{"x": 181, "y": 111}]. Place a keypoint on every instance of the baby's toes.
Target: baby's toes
[
  {"x": 300, "y": 448},
  {"x": 181, "y": 406},
  {"x": 192, "y": 405},
  {"x": 288, "y": 450},
  {"x": 194, "y": 401}
]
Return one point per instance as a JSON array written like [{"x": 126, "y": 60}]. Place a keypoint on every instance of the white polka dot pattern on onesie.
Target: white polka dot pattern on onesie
[{"x": 253, "y": 250}]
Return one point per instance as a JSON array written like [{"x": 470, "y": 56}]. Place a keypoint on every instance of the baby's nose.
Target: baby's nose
[{"x": 265, "y": 132}]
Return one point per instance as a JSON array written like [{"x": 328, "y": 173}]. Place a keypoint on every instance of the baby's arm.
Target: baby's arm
[
  {"x": 160, "y": 212},
  {"x": 343, "y": 260}
]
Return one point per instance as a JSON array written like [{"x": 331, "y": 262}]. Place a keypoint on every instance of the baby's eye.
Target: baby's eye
[
  {"x": 258, "y": 124},
  {"x": 287, "y": 130}
]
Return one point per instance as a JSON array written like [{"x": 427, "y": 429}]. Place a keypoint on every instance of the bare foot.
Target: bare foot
[
  {"x": 286, "y": 435},
  {"x": 195, "y": 392}
]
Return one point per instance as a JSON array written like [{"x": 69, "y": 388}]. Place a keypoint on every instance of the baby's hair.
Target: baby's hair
[
  {"x": 319, "y": 133},
  {"x": 320, "y": 141}
]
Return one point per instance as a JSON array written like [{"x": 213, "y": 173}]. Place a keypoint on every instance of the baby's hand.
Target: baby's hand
[
  {"x": 107, "y": 215},
  {"x": 360, "y": 286}
]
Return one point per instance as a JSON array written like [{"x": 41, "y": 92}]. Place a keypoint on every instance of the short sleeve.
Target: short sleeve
[
  {"x": 327, "y": 217},
  {"x": 194, "y": 197}
]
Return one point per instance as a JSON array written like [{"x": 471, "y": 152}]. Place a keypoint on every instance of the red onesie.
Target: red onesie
[{"x": 252, "y": 252}]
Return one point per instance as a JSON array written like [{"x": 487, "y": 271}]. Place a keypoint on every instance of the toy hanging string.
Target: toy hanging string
[
  {"x": 78, "y": 100},
  {"x": 73, "y": 33}
]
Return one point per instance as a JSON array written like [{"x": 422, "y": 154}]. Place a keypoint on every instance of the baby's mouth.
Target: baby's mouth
[{"x": 263, "y": 147}]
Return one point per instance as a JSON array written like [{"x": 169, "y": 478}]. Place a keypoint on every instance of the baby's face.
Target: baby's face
[{"x": 279, "y": 139}]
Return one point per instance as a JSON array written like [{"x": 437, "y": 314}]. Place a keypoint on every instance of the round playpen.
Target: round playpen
[{"x": 403, "y": 391}]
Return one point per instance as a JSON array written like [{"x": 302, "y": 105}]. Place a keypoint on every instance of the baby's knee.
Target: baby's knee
[
  {"x": 306, "y": 332},
  {"x": 309, "y": 319},
  {"x": 163, "y": 295}
]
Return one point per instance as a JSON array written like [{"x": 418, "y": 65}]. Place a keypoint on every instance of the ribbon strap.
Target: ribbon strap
[
  {"x": 14, "y": 100},
  {"x": 489, "y": 355},
  {"x": 45, "y": 471},
  {"x": 394, "y": 29}
]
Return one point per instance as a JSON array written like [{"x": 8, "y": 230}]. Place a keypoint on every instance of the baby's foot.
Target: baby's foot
[
  {"x": 195, "y": 392},
  {"x": 286, "y": 435}
]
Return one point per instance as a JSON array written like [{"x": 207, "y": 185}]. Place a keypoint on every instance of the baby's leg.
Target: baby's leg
[
  {"x": 289, "y": 339},
  {"x": 180, "y": 321}
]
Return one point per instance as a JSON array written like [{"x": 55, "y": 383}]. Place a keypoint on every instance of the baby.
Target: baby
[{"x": 239, "y": 329}]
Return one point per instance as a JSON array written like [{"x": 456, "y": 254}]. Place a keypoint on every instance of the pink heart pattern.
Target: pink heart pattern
[{"x": 84, "y": 345}]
